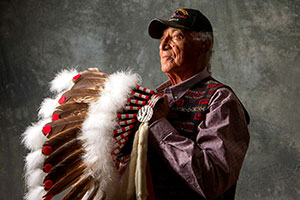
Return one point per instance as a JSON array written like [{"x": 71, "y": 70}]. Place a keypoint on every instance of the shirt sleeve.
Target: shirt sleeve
[{"x": 212, "y": 163}]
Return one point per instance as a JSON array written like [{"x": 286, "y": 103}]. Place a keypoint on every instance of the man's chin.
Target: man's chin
[{"x": 168, "y": 68}]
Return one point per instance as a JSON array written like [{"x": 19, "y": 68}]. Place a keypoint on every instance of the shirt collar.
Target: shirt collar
[{"x": 175, "y": 92}]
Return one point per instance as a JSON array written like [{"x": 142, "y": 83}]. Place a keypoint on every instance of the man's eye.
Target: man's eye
[{"x": 178, "y": 36}]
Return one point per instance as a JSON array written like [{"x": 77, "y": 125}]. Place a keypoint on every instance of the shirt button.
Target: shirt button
[{"x": 175, "y": 97}]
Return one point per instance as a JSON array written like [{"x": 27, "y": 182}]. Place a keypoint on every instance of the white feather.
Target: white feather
[
  {"x": 34, "y": 160},
  {"x": 36, "y": 193},
  {"x": 60, "y": 84},
  {"x": 34, "y": 178},
  {"x": 63, "y": 80},
  {"x": 98, "y": 129},
  {"x": 47, "y": 107},
  {"x": 33, "y": 137}
]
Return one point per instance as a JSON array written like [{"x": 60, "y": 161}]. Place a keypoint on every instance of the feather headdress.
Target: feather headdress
[{"x": 84, "y": 135}]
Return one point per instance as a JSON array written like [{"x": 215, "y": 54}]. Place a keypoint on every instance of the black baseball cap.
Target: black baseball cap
[{"x": 182, "y": 18}]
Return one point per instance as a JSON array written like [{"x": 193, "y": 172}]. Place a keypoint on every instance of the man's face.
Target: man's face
[{"x": 178, "y": 51}]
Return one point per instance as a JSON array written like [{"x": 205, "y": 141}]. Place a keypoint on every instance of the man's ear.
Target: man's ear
[{"x": 205, "y": 45}]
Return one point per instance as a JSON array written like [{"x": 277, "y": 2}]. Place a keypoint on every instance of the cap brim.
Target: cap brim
[{"x": 157, "y": 27}]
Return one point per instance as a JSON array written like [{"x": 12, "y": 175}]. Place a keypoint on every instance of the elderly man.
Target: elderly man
[{"x": 198, "y": 134}]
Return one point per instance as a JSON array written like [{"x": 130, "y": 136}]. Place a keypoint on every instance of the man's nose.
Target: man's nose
[{"x": 165, "y": 44}]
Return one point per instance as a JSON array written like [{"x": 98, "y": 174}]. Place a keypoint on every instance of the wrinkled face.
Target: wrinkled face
[{"x": 178, "y": 51}]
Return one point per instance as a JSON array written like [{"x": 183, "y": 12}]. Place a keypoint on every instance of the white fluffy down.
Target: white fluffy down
[
  {"x": 36, "y": 193},
  {"x": 63, "y": 81},
  {"x": 98, "y": 129},
  {"x": 33, "y": 138},
  {"x": 34, "y": 178},
  {"x": 47, "y": 107},
  {"x": 34, "y": 160}
]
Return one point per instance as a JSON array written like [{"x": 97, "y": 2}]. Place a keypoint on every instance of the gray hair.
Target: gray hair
[{"x": 203, "y": 36}]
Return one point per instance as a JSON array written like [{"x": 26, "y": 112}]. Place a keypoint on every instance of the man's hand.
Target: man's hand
[{"x": 160, "y": 110}]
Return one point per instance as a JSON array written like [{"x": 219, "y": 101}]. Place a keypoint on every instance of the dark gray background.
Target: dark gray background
[{"x": 256, "y": 52}]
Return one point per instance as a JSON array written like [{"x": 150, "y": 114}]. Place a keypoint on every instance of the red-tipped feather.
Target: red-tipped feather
[
  {"x": 71, "y": 178},
  {"x": 81, "y": 96},
  {"x": 62, "y": 137},
  {"x": 60, "y": 125},
  {"x": 71, "y": 109},
  {"x": 63, "y": 168},
  {"x": 64, "y": 151},
  {"x": 89, "y": 74},
  {"x": 92, "y": 83}
]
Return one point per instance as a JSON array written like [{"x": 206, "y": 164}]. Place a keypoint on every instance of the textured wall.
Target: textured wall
[{"x": 256, "y": 52}]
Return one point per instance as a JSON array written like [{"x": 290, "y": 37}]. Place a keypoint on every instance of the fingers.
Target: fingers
[{"x": 160, "y": 110}]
